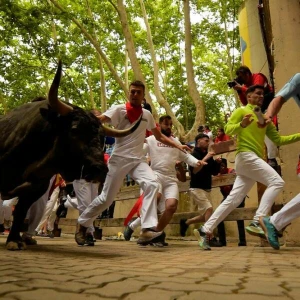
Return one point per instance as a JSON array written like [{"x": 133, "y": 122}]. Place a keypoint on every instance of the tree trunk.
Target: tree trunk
[
  {"x": 132, "y": 52},
  {"x": 229, "y": 62},
  {"x": 192, "y": 87},
  {"x": 89, "y": 83},
  {"x": 159, "y": 97},
  {"x": 97, "y": 47}
]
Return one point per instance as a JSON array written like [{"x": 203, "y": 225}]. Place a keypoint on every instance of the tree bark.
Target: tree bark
[
  {"x": 159, "y": 97},
  {"x": 192, "y": 86},
  {"x": 97, "y": 47}
]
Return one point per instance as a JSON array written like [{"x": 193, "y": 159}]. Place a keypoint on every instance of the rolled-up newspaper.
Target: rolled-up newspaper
[{"x": 260, "y": 116}]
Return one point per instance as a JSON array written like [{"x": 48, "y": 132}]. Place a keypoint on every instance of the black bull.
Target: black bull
[{"x": 43, "y": 138}]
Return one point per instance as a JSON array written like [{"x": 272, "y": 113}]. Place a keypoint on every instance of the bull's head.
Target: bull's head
[{"x": 81, "y": 139}]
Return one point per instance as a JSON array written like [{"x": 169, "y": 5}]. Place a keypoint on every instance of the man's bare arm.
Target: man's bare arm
[{"x": 165, "y": 140}]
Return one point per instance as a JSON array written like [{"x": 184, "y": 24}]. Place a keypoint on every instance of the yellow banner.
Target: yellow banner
[{"x": 244, "y": 38}]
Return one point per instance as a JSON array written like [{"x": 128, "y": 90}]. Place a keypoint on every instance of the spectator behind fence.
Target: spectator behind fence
[{"x": 221, "y": 136}]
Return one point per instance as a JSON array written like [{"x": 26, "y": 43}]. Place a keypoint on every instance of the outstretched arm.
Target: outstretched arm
[{"x": 165, "y": 140}]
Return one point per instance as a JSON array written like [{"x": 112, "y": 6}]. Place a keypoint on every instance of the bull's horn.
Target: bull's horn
[
  {"x": 60, "y": 107},
  {"x": 121, "y": 133}
]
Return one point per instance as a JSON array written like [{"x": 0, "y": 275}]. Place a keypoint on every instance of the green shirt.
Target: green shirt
[{"x": 251, "y": 138}]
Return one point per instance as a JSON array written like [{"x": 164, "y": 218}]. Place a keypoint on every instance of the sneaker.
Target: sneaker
[
  {"x": 162, "y": 243},
  {"x": 50, "y": 234},
  {"x": 183, "y": 227},
  {"x": 128, "y": 232},
  {"x": 270, "y": 231},
  {"x": 159, "y": 244},
  {"x": 214, "y": 243},
  {"x": 28, "y": 239},
  {"x": 202, "y": 238},
  {"x": 80, "y": 235},
  {"x": 89, "y": 240},
  {"x": 149, "y": 236},
  {"x": 254, "y": 229},
  {"x": 40, "y": 233}
]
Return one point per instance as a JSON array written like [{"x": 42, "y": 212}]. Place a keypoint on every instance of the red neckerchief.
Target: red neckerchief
[{"x": 133, "y": 112}]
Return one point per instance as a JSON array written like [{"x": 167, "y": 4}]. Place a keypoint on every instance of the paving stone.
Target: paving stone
[
  {"x": 8, "y": 287},
  {"x": 295, "y": 293},
  {"x": 100, "y": 280},
  {"x": 172, "y": 286},
  {"x": 152, "y": 293},
  {"x": 174, "y": 279},
  {"x": 47, "y": 294},
  {"x": 262, "y": 287},
  {"x": 291, "y": 283},
  {"x": 118, "y": 289},
  {"x": 214, "y": 296},
  {"x": 224, "y": 280},
  {"x": 59, "y": 269},
  {"x": 65, "y": 286}
]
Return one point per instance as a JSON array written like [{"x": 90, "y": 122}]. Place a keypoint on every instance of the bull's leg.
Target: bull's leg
[{"x": 14, "y": 240}]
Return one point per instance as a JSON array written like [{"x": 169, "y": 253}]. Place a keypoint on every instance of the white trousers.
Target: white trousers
[
  {"x": 48, "y": 208},
  {"x": 118, "y": 167},
  {"x": 136, "y": 223},
  {"x": 287, "y": 214},
  {"x": 52, "y": 217},
  {"x": 71, "y": 202},
  {"x": 249, "y": 169},
  {"x": 272, "y": 149},
  {"x": 35, "y": 212},
  {"x": 85, "y": 193},
  {"x": 6, "y": 208}
]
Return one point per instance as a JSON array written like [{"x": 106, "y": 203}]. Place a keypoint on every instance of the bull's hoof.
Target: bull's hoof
[{"x": 13, "y": 246}]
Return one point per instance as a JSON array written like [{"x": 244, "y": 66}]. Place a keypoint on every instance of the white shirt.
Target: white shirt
[
  {"x": 163, "y": 157},
  {"x": 130, "y": 146},
  {"x": 211, "y": 138}
]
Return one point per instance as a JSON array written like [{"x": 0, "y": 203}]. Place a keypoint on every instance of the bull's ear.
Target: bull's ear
[{"x": 48, "y": 114}]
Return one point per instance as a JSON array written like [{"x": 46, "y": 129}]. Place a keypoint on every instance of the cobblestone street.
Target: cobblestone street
[{"x": 59, "y": 269}]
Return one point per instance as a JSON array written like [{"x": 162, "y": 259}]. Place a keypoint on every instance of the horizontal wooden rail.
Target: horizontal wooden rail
[
  {"x": 223, "y": 147},
  {"x": 132, "y": 192},
  {"x": 237, "y": 214}
]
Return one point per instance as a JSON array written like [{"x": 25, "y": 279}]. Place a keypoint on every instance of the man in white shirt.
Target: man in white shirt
[
  {"x": 163, "y": 159},
  {"x": 128, "y": 158},
  {"x": 208, "y": 132}
]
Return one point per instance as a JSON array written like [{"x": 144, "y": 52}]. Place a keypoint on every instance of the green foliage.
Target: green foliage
[{"x": 35, "y": 33}]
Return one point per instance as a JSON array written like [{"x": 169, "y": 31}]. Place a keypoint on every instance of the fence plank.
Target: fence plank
[
  {"x": 237, "y": 214},
  {"x": 223, "y": 147},
  {"x": 134, "y": 192}
]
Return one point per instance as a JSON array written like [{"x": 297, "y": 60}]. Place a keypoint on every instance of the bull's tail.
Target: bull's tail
[{"x": 60, "y": 107}]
